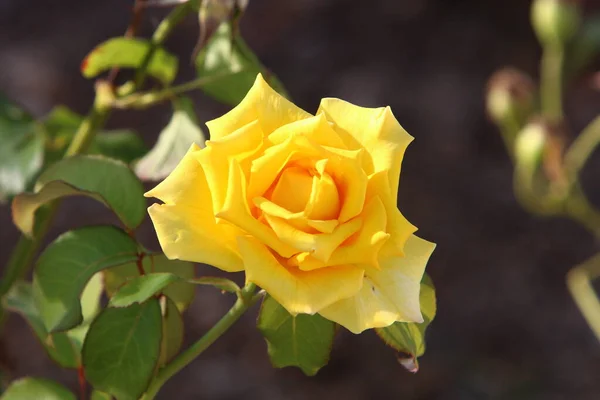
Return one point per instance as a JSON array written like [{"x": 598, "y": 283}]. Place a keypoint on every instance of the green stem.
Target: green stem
[
  {"x": 582, "y": 148},
  {"x": 144, "y": 100},
  {"x": 163, "y": 30},
  {"x": 578, "y": 208},
  {"x": 26, "y": 248},
  {"x": 579, "y": 282},
  {"x": 245, "y": 301},
  {"x": 551, "y": 82}
]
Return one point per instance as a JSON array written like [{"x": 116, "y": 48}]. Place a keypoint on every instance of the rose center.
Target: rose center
[
  {"x": 309, "y": 190},
  {"x": 293, "y": 189}
]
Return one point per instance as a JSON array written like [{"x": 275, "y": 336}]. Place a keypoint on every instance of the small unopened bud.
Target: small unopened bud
[
  {"x": 510, "y": 96},
  {"x": 530, "y": 144},
  {"x": 542, "y": 143},
  {"x": 555, "y": 21}
]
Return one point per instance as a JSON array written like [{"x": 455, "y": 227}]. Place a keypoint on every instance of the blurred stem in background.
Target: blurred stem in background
[
  {"x": 546, "y": 175},
  {"x": 579, "y": 281},
  {"x": 26, "y": 248},
  {"x": 551, "y": 82}
]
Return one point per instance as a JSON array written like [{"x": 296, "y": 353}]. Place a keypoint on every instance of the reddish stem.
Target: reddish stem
[
  {"x": 82, "y": 382},
  {"x": 134, "y": 24},
  {"x": 140, "y": 265}
]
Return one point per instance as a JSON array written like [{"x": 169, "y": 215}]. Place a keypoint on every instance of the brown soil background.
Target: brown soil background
[{"x": 506, "y": 326}]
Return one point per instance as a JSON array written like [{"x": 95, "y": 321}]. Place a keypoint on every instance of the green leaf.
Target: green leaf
[
  {"x": 90, "y": 307},
  {"x": 141, "y": 288},
  {"x": 124, "y": 145},
  {"x": 121, "y": 349},
  {"x": 58, "y": 345},
  {"x": 98, "y": 395},
  {"x": 302, "y": 341},
  {"x": 223, "y": 284},
  {"x": 68, "y": 263},
  {"x": 62, "y": 123},
  {"x": 21, "y": 149},
  {"x": 173, "y": 143},
  {"x": 409, "y": 338},
  {"x": 182, "y": 293},
  {"x": 38, "y": 389},
  {"x": 108, "y": 181},
  {"x": 172, "y": 331},
  {"x": 130, "y": 53},
  {"x": 233, "y": 65}
]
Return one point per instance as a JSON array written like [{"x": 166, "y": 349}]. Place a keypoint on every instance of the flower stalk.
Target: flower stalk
[{"x": 247, "y": 299}]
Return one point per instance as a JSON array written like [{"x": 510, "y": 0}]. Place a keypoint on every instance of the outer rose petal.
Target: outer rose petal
[
  {"x": 388, "y": 295},
  {"x": 298, "y": 291},
  {"x": 397, "y": 225},
  {"x": 242, "y": 145},
  {"x": 375, "y": 129},
  {"x": 261, "y": 103},
  {"x": 185, "y": 224},
  {"x": 317, "y": 129}
]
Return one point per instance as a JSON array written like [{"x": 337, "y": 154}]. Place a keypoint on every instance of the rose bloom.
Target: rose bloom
[{"x": 305, "y": 205}]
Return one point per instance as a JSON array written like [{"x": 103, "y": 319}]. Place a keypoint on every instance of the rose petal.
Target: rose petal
[
  {"x": 262, "y": 104},
  {"x": 374, "y": 129},
  {"x": 293, "y": 189},
  {"x": 236, "y": 211},
  {"x": 397, "y": 225},
  {"x": 298, "y": 220},
  {"x": 364, "y": 248},
  {"x": 316, "y": 128},
  {"x": 388, "y": 295},
  {"x": 319, "y": 245},
  {"x": 185, "y": 224},
  {"x": 243, "y": 145},
  {"x": 298, "y": 291}
]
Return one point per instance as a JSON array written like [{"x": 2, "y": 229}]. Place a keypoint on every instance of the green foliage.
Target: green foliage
[
  {"x": 174, "y": 141},
  {"x": 108, "y": 181},
  {"x": 122, "y": 348},
  {"x": 62, "y": 123},
  {"x": 38, "y": 389},
  {"x": 67, "y": 264},
  {"x": 182, "y": 292},
  {"x": 172, "y": 331},
  {"x": 228, "y": 59},
  {"x": 98, "y": 395},
  {"x": 130, "y": 53},
  {"x": 90, "y": 307},
  {"x": 409, "y": 338},
  {"x": 138, "y": 289},
  {"x": 141, "y": 288},
  {"x": 302, "y": 341},
  {"x": 21, "y": 149},
  {"x": 58, "y": 345}
]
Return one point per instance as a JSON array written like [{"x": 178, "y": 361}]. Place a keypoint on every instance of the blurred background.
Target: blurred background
[{"x": 506, "y": 326}]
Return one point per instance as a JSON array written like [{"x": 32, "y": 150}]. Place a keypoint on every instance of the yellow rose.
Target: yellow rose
[{"x": 305, "y": 205}]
